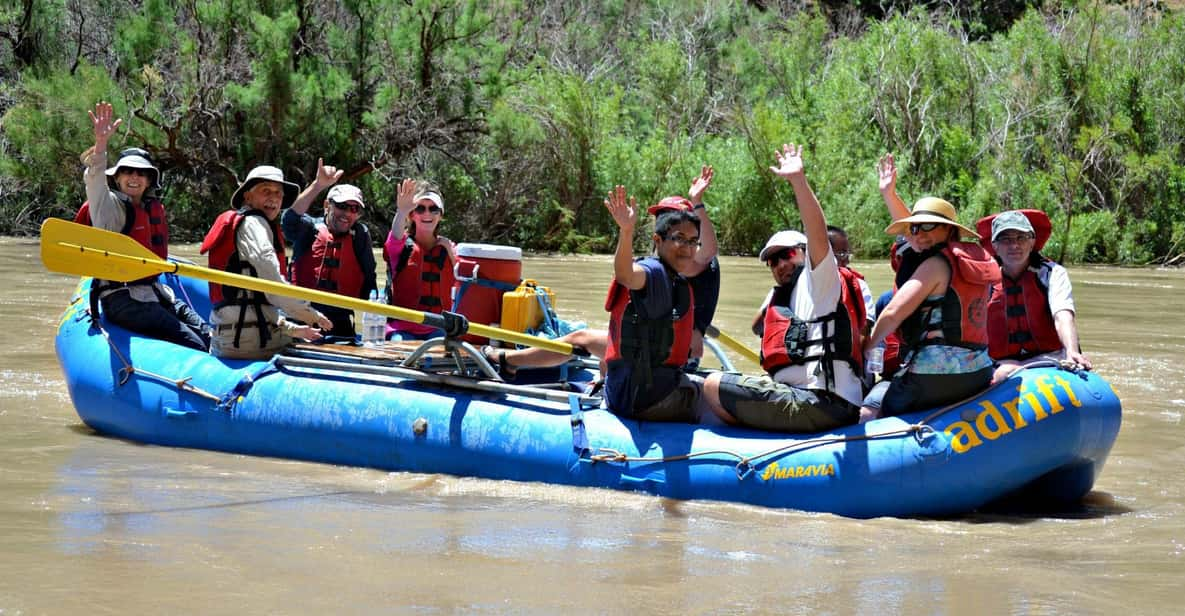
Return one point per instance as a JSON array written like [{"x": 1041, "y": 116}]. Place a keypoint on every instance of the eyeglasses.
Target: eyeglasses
[
  {"x": 917, "y": 227},
  {"x": 1012, "y": 238},
  {"x": 779, "y": 256},
  {"x": 686, "y": 242},
  {"x": 431, "y": 209},
  {"x": 842, "y": 254},
  {"x": 347, "y": 207}
]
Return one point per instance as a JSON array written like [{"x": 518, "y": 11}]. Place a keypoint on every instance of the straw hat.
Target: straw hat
[
  {"x": 265, "y": 173},
  {"x": 929, "y": 209}
]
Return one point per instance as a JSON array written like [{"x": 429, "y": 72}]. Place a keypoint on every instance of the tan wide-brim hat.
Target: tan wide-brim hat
[
  {"x": 265, "y": 173},
  {"x": 929, "y": 209}
]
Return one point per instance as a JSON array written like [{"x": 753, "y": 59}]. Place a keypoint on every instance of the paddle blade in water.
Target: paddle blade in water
[{"x": 82, "y": 250}]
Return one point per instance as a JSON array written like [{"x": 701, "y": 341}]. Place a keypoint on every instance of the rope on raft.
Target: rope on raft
[
  {"x": 745, "y": 463},
  {"x": 128, "y": 369}
]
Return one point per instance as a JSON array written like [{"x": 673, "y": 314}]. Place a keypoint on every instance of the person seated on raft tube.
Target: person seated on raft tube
[
  {"x": 651, "y": 316},
  {"x": 939, "y": 307},
  {"x": 703, "y": 272},
  {"x": 247, "y": 240},
  {"x": 123, "y": 199},
  {"x": 1031, "y": 313},
  {"x": 333, "y": 253},
  {"x": 810, "y": 326},
  {"x": 419, "y": 260},
  {"x": 838, "y": 238}
]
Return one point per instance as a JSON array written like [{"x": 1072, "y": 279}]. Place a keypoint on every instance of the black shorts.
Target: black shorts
[{"x": 677, "y": 406}]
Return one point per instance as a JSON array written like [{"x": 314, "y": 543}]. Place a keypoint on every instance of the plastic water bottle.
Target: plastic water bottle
[
  {"x": 876, "y": 359},
  {"x": 373, "y": 325}
]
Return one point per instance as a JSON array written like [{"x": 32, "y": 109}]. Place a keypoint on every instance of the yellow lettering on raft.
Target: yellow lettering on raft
[
  {"x": 1018, "y": 420},
  {"x": 1046, "y": 390},
  {"x": 1066, "y": 388},
  {"x": 774, "y": 471},
  {"x": 963, "y": 436},
  {"x": 991, "y": 412}
]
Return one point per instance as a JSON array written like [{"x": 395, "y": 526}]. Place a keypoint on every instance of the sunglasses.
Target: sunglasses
[
  {"x": 779, "y": 256},
  {"x": 923, "y": 227},
  {"x": 347, "y": 207},
  {"x": 431, "y": 209}
]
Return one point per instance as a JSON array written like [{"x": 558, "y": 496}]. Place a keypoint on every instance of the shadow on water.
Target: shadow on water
[{"x": 1093, "y": 506}]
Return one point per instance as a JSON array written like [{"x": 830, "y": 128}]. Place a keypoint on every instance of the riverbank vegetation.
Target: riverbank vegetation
[{"x": 527, "y": 111}]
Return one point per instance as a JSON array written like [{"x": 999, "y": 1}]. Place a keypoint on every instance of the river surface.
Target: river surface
[{"x": 96, "y": 525}]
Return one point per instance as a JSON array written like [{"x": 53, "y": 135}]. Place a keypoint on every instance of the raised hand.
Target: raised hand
[
  {"x": 405, "y": 200},
  {"x": 103, "y": 125},
  {"x": 789, "y": 162},
  {"x": 327, "y": 175},
  {"x": 887, "y": 171},
  {"x": 624, "y": 210},
  {"x": 700, "y": 185}
]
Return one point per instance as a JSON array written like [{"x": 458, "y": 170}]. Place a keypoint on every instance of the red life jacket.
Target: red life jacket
[
  {"x": 1019, "y": 321},
  {"x": 646, "y": 344},
  {"x": 784, "y": 341},
  {"x": 419, "y": 281},
  {"x": 145, "y": 224},
  {"x": 221, "y": 244},
  {"x": 963, "y": 307},
  {"x": 330, "y": 264}
]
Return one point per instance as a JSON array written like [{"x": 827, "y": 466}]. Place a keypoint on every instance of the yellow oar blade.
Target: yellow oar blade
[
  {"x": 81, "y": 250},
  {"x": 734, "y": 344},
  {"x": 71, "y": 248}
]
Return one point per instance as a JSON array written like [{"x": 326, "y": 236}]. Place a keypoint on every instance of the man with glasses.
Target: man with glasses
[
  {"x": 810, "y": 326},
  {"x": 333, "y": 253},
  {"x": 843, "y": 256},
  {"x": 124, "y": 199},
  {"x": 1031, "y": 313}
]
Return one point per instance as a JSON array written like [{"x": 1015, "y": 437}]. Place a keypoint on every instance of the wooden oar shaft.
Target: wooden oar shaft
[{"x": 141, "y": 265}]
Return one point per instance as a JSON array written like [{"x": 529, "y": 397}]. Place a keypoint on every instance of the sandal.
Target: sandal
[{"x": 505, "y": 369}]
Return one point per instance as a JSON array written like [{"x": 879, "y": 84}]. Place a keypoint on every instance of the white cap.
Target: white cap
[
  {"x": 434, "y": 197},
  {"x": 782, "y": 239},
  {"x": 346, "y": 193}
]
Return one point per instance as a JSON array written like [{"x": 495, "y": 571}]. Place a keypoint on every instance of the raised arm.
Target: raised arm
[
  {"x": 789, "y": 167},
  {"x": 104, "y": 211},
  {"x": 886, "y": 169},
  {"x": 404, "y": 204},
  {"x": 327, "y": 175},
  {"x": 708, "y": 248},
  {"x": 625, "y": 214}
]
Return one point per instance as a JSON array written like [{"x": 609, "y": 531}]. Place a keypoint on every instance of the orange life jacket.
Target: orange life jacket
[{"x": 964, "y": 306}]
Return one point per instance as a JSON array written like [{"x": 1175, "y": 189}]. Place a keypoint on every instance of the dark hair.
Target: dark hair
[
  {"x": 837, "y": 230},
  {"x": 671, "y": 218}
]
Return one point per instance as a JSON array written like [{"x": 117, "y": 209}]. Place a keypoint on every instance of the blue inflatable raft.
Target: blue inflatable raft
[{"x": 1043, "y": 435}]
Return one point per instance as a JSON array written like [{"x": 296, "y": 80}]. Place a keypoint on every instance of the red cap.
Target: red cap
[{"x": 670, "y": 203}]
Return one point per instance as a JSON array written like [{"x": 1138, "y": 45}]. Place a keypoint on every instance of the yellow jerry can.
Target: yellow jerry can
[{"x": 520, "y": 308}]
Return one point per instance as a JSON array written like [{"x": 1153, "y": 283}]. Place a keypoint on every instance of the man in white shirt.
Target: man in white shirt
[{"x": 810, "y": 325}]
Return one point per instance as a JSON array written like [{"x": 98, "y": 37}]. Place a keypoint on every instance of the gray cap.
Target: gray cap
[
  {"x": 1012, "y": 219},
  {"x": 782, "y": 239}
]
